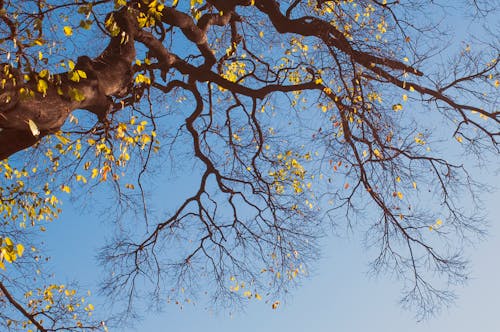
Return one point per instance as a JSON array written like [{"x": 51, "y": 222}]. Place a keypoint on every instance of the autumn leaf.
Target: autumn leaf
[
  {"x": 65, "y": 188},
  {"x": 34, "y": 128},
  {"x": 19, "y": 249},
  {"x": 68, "y": 31}
]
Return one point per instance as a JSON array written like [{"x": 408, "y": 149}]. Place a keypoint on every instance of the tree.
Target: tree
[{"x": 294, "y": 115}]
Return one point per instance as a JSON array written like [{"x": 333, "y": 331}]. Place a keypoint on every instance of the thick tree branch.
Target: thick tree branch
[{"x": 47, "y": 102}]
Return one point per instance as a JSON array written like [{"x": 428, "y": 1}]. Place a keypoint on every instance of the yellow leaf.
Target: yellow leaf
[
  {"x": 20, "y": 249},
  {"x": 42, "y": 86},
  {"x": 8, "y": 241},
  {"x": 174, "y": 3},
  {"x": 8, "y": 256},
  {"x": 119, "y": 3},
  {"x": 44, "y": 73},
  {"x": 68, "y": 31},
  {"x": 81, "y": 178},
  {"x": 61, "y": 138},
  {"x": 397, "y": 107},
  {"x": 33, "y": 127},
  {"x": 82, "y": 74},
  {"x": 247, "y": 294},
  {"x": 261, "y": 34},
  {"x": 257, "y": 296},
  {"x": 74, "y": 76},
  {"x": 275, "y": 305},
  {"x": 65, "y": 188}
]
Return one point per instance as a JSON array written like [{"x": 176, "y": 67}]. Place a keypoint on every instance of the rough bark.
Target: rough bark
[{"x": 108, "y": 76}]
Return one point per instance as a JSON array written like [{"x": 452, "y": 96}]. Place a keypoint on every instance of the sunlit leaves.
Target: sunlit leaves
[
  {"x": 42, "y": 86},
  {"x": 112, "y": 26},
  {"x": 154, "y": 13},
  {"x": 33, "y": 128},
  {"x": 76, "y": 75},
  {"x": 65, "y": 188},
  {"x": 119, "y": 3},
  {"x": 195, "y": 2},
  {"x": 436, "y": 225},
  {"x": 21, "y": 205},
  {"x": 419, "y": 139},
  {"x": 68, "y": 31},
  {"x": 155, "y": 8},
  {"x": 129, "y": 138},
  {"x": 234, "y": 70},
  {"x": 57, "y": 298},
  {"x": 289, "y": 172},
  {"x": 9, "y": 252},
  {"x": 142, "y": 79},
  {"x": 397, "y": 107}
]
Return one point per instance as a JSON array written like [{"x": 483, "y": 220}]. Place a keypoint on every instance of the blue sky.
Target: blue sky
[{"x": 339, "y": 296}]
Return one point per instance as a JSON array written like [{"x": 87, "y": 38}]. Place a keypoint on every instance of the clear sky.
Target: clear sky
[{"x": 339, "y": 296}]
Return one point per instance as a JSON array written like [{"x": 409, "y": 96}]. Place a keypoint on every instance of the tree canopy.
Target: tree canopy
[{"x": 291, "y": 118}]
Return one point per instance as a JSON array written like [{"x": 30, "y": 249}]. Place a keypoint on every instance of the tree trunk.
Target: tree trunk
[{"x": 33, "y": 109}]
